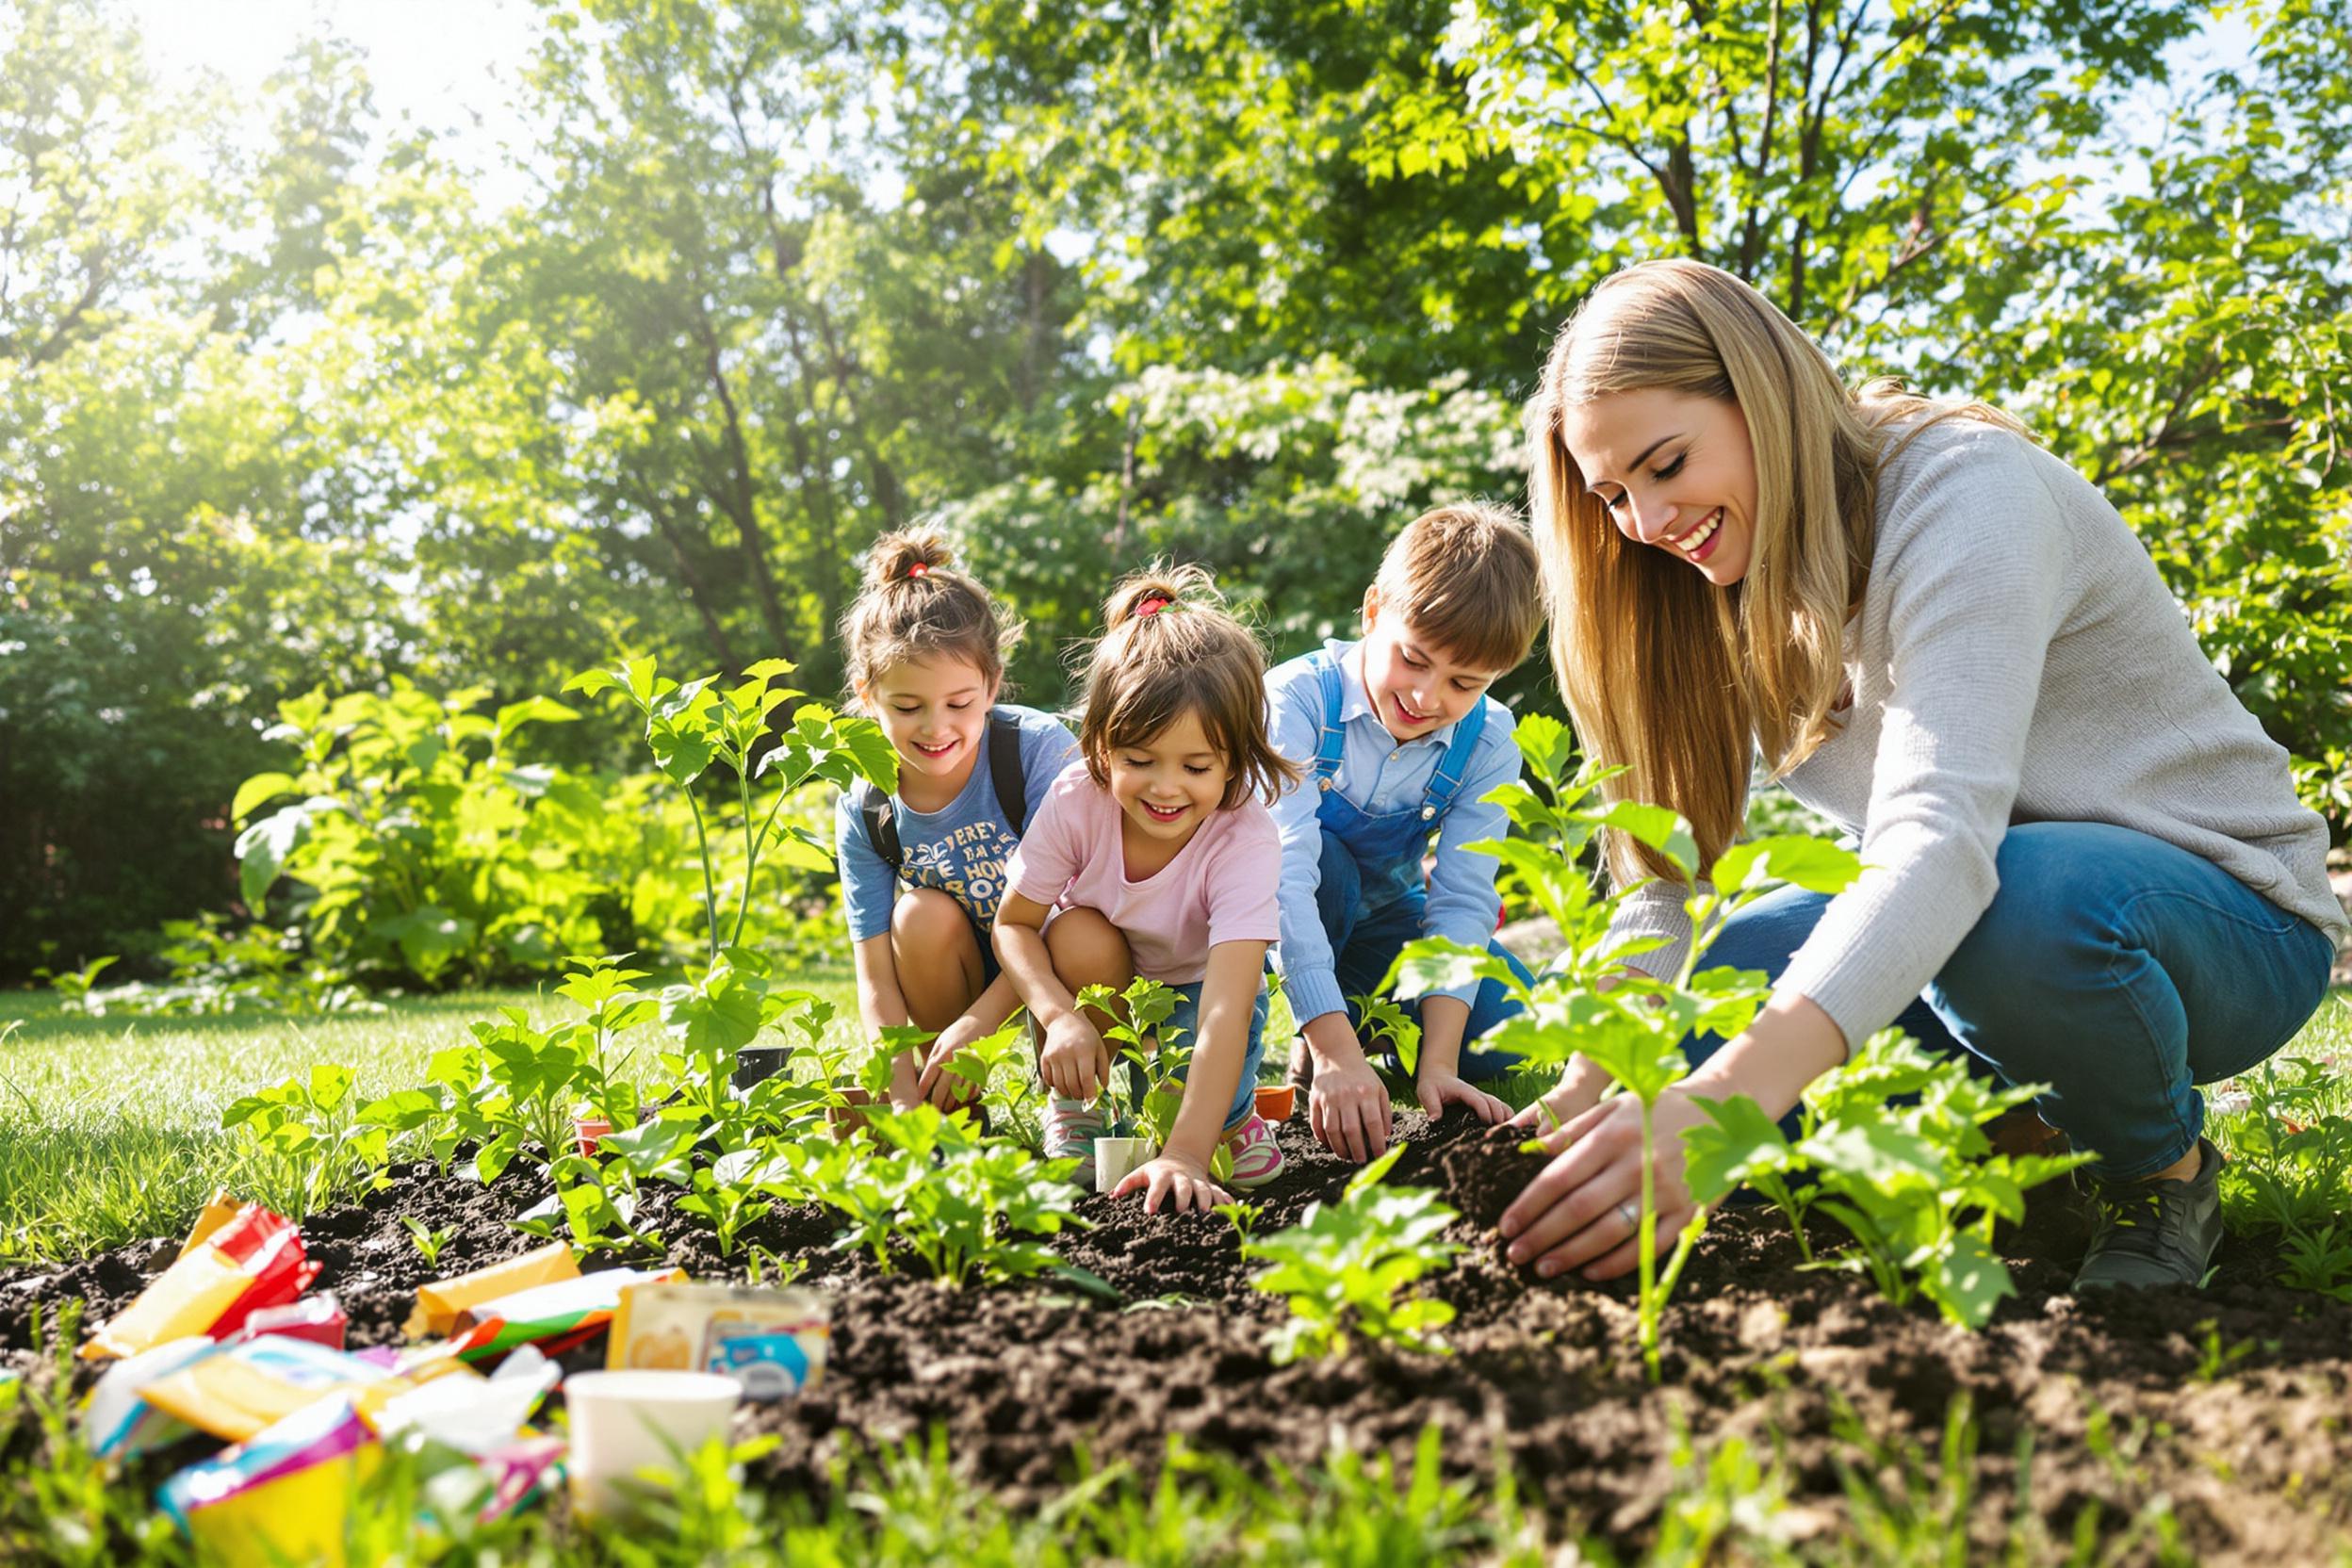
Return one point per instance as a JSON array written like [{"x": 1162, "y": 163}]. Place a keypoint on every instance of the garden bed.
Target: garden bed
[{"x": 2225, "y": 1409}]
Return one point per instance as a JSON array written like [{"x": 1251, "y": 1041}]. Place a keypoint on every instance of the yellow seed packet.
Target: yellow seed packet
[{"x": 440, "y": 1305}]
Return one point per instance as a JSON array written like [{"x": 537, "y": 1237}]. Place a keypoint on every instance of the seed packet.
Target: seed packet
[
  {"x": 772, "y": 1341},
  {"x": 440, "y": 1304},
  {"x": 244, "y": 1389},
  {"x": 318, "y": 1319},
  {"x": 559, "y": 1315},
  {"x": 254, "y": 1262},
  {"x": 282, "y": 1496},
  {"x": 474, "y": 1415},
  {"x": 219, "y": 1210},
  {"x": 117, "y": 1420}
]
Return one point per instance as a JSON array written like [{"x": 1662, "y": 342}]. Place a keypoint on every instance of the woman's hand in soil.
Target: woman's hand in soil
[
  {"x": 1074, "y": 1061},
  {"x": 1437, "y": 1090},
  {"x": 1177, "y": 1179},
  {"x": 1347, "y": 1107},
  {"x": 940, "y": 1086},
  {"x": 1583, "y": 1211}
]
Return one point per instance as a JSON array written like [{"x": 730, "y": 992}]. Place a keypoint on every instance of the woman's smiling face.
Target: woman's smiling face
[{"x": 1677, "y": 473}]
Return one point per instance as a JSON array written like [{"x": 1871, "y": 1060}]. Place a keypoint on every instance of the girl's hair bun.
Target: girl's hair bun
[
  {"x": 896, "y": 557},
  {"x": 916, "y": 605},
  {"x": 1156, "y": 591}
]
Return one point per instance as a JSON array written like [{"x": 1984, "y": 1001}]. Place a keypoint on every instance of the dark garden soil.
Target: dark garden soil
[{"x": 2251, "y": 1460}]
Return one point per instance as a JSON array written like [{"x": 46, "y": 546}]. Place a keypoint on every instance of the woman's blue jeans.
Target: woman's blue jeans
[{"x": 2118, "y": 969}]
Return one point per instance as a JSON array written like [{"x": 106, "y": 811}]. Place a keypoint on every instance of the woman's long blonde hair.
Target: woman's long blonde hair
[{"x": 1665, "y": 674}]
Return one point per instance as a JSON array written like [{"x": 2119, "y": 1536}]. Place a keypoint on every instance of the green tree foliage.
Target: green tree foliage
[
  {"x": 159, "y": 580},
  {"x": 285, "y": 402}
]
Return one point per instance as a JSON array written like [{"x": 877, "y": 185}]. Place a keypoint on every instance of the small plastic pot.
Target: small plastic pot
[
  {"x": 1277, "y": 1100},
  {"x": 588, "y": 1128},
  {"x": 757, "y": 1064},
  {"x": 1114, "y": 1158},
  {"x": 624, "y": 1421},
  {"x": 848, "y": 1118}
]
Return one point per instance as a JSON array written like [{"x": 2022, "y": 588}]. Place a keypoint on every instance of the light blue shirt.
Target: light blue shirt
[
  {"x": 1378, "y": 776},
  {"x": 959, "y": 849}
]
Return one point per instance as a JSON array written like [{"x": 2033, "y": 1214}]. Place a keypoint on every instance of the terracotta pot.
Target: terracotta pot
[
  {"x": 1277, "y": 1100},
  {"x": 849, "y": 1118}
]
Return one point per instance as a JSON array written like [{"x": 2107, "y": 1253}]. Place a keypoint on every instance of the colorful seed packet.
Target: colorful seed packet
[
  {"x": 772, "y": 1341},
  {"x": 254, "y": 1262},
  {"x": 558, "y": 1315},
  {"x": 439, "y": 1305}
]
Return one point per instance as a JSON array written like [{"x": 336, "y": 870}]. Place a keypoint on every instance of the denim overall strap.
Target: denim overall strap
[
  {"x": 1447, "y": 780},
  {"x": 1333, "y": 740}
]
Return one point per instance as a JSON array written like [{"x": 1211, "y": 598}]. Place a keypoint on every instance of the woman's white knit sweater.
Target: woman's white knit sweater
[{"x": 2017, "y": 659}]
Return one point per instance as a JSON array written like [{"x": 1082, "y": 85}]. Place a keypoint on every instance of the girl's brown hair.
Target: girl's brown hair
[
  {"x": 1170, "y": 646},
  {"x": 917, "y": 605}
]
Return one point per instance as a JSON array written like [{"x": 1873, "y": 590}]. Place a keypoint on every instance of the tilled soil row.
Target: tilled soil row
[{"x": 2119, "y": 1395}]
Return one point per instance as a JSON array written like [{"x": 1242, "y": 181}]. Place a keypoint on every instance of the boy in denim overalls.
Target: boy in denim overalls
[{"x": 1401, "y": 743}]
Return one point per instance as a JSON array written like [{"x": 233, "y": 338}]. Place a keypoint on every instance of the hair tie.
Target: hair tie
[
  {"x": 1152, "y": 605},
  {"x": 921, "y": 568}
]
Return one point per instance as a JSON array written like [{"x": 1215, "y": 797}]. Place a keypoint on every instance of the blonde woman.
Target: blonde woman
[{"x": 2087, "y": 867}]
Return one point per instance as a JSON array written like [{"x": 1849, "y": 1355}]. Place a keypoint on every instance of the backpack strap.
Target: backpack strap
[
  {"x": 1005, "y": 771},
  {"x": 881, "y": 823},
  {"x": 878, "y": 812}
]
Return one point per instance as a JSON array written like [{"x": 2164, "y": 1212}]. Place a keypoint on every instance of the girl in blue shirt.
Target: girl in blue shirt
[{"x": 922, "y": 869}]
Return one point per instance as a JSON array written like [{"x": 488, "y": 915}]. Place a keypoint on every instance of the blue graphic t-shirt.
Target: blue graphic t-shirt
[{"x": 960, "y": 849}]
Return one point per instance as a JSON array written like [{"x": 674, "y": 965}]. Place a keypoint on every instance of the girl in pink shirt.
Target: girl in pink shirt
[{"x": 1155, "y": 855}]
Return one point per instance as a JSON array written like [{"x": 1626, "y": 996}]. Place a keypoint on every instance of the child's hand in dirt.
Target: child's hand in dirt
[
  {"x": 1177, "y": 1179},
  {"x": 1347, "y": 1107},
  {"x": 1437, "y": 1090},
  {"x": 1074, "y": 1061},
  {"x": 940, "y": 1086}
]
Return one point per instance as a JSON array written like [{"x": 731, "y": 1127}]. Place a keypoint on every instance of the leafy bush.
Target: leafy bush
[
  {"x": 417, "y": 845},
  {"x": 1348, "y": 1268},
  {"x": 1916, "y": 1182}
]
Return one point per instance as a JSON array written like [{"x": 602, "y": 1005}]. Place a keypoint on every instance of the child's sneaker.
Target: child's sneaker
[
  {"x": 1257, "y": 1158},
  {"x": 1071, "y": 1128}
]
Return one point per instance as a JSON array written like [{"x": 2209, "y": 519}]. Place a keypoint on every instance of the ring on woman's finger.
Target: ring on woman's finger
[{"x": 1630, "y": 1213}]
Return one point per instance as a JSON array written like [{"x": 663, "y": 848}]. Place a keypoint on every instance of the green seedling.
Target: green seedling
[
  {"x": 1243, "y": 1216},
  {"x": 998, "y": 1067},
  {"x": 1587, "y": 1004},
  {"x": 429, "y": 1240},
  {"x": 969, "y": 1210},
  {"x": 1383, "y": 1021},
  {"x": 1349, "y": 1268},
  {"x": 1917, "y": 1184},
  {"x": 1155, "y": 1056}
]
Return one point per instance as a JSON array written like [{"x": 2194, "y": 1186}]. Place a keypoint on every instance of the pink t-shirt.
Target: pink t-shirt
[{"x": 1224, "y": 886}]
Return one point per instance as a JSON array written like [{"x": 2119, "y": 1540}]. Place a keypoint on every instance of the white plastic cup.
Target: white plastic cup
[
  {"x": 626, "y": 1421},
  {"x": 1114, "y": 1158}
]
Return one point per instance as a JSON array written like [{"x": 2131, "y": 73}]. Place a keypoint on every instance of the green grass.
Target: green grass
[{"x": 110, "y": 1127}]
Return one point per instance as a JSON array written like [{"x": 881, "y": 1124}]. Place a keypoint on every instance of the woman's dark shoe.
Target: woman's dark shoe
[{"x": 2155, "y": 1232}]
